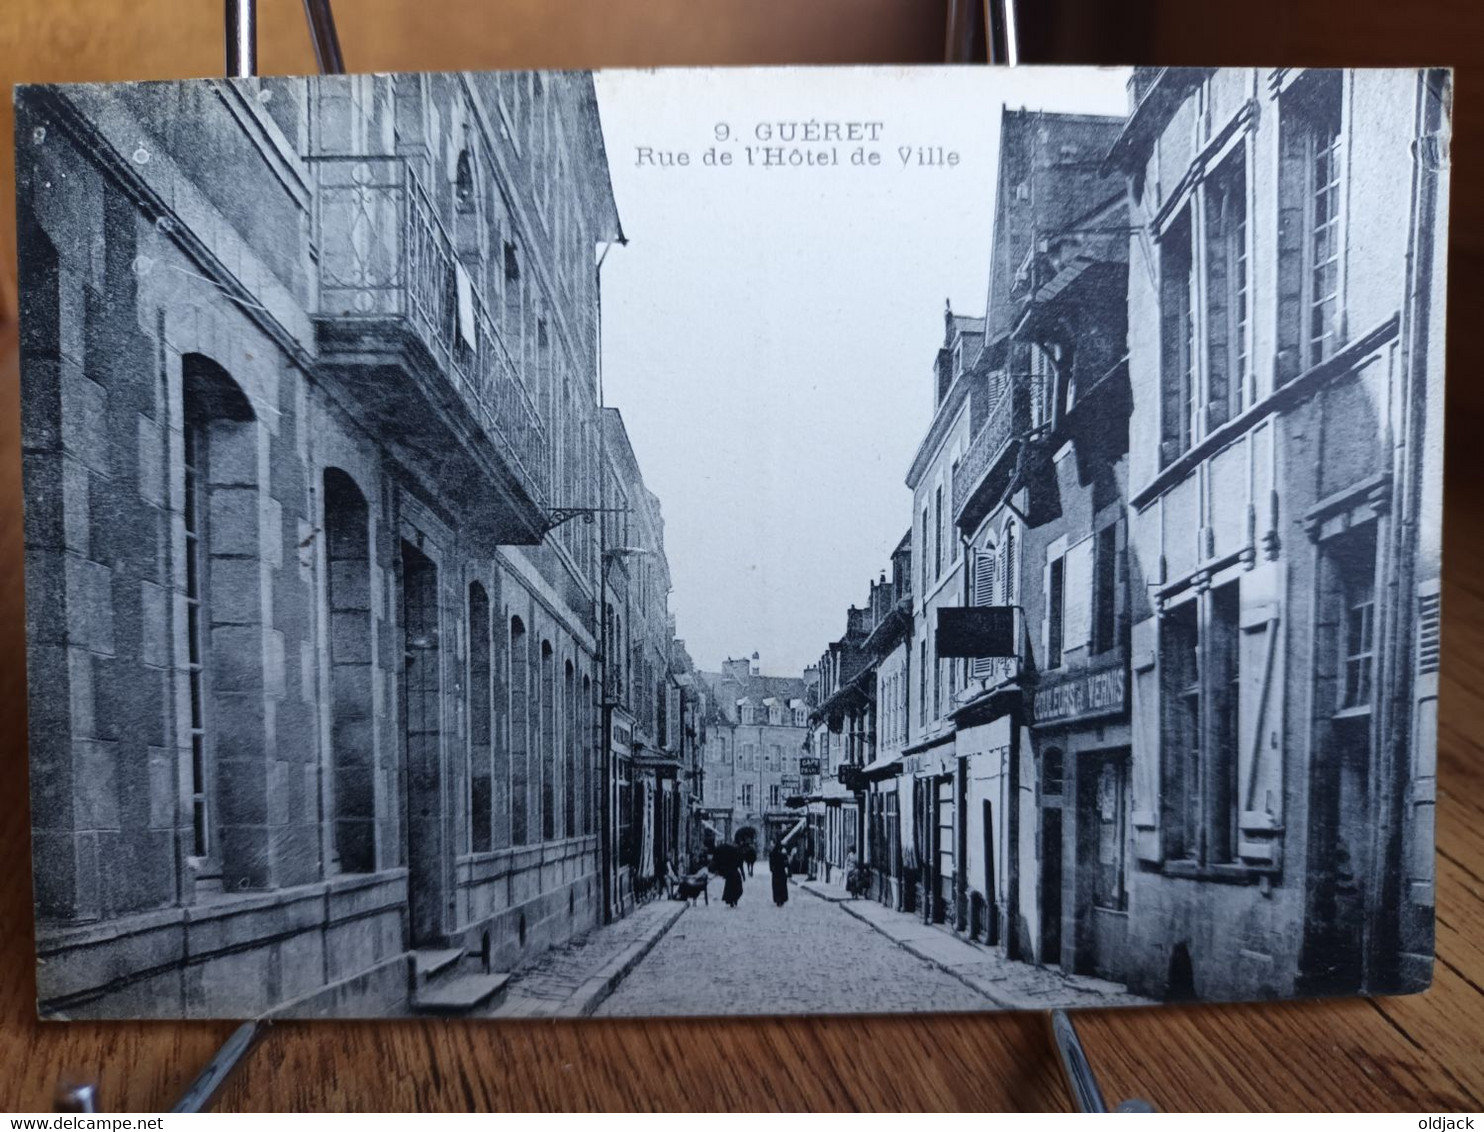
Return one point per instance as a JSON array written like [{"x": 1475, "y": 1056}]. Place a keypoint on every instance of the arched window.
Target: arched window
[
  {"x": 481, "y": 722},
  {"x": 569, "y": 736},
  {"x": 347, "y": 529},
  {"x": 223, "y": 616},
  {"x": 590, "y": 746},
  {"x": 520, "y": 733},
  {"x": 549, "y": 764}
]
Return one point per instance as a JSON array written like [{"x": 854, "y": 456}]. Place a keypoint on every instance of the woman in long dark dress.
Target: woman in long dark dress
[
  {"x": 778, "y": 865},
  {"x": 727, "y": 860}
]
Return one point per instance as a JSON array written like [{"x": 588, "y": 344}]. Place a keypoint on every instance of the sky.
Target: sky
[{"x": 769, "y": 330}]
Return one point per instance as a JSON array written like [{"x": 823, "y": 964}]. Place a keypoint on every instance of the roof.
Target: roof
[{"x": 757, "y": 689}]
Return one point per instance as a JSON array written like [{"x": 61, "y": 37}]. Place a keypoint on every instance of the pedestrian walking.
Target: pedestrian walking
[
  {"x": 749, "y": 854},
  {"x": 727, "y": 860},
  {"x": 778, "y": 863}
]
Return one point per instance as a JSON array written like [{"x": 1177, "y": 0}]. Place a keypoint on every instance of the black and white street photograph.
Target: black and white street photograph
[{"x": 730, "y": 542}]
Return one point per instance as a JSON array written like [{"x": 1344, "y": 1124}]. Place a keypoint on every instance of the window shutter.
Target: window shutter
[
  {"x": 1010, "y": 564},
  {"x": 1077, "y": 596},
  {"x": 1147, "y": 742},
  {"x": 984, "y": 579},
  {"x": 1045, "y": 641},
  {"x": 1260, "y": 719},
  {"x": 1422, "y": 788}
]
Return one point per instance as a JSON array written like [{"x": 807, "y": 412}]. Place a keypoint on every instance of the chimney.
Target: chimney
[
  {"x": 757, "y": 665},
  {"x": 735, "y": 670}
]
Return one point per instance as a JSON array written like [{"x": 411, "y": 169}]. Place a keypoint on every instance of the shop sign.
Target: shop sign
[
  {"x": 808, "y": 766},
  {"x": 1083, "y": 695},
  {"x": 851, "y": 778},
  {"x": 789, "y": 782},
  {"x": 977, "y": 631},
  {"x": 933, "y": 762}
]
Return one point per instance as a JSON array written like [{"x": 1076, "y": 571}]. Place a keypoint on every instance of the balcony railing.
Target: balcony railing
[
  {"x": 384, "y": 255},
  {"x": 1008, "y": 421}
]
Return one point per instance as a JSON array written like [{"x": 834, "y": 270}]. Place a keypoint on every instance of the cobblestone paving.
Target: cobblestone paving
[
  {"x": 808, "y": 956},
  {"x": 1008, "y": 984},
  {"x": 556, "y": 984}
]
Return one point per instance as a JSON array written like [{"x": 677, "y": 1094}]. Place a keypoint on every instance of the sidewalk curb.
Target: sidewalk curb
[
  {"x": 1000, "y": 1000},
  {"x": 823, "y": 895},
  {"x": 597, "y": 987},
  {"x": 972, "y": 984}
]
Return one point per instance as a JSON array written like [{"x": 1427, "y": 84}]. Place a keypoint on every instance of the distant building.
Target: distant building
[
  {"x": 644, "y": 736},
  {"x": 858, "y": 733},
  {"x": 755, "y": 726}
]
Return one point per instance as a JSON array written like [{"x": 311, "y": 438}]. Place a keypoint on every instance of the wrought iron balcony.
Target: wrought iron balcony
[
  {"x": 388, "y": 272},
  {"x": 985, "y": 467}
]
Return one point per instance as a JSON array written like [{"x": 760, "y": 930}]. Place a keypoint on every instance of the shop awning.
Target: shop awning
[
  {"x": 883, "y": 767},
  {"x": 835, "y": 791}
]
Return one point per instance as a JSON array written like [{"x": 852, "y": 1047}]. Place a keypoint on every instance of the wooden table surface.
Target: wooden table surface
[{"x": 1418, "y": 1053}]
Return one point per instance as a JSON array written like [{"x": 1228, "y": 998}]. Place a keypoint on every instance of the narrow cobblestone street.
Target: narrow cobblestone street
[{"x": 808, "y": 956}]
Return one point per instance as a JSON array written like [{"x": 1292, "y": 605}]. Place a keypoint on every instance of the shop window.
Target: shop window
[{"x": 1109, "y": 881}]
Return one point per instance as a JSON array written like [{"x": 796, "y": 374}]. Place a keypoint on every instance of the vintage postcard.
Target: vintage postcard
[{"x": 728, "y": 542}]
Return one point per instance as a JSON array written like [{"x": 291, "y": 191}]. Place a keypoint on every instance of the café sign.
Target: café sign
[
  {"x": 1081, "y": 695},
  {"x": 808, "y": 766}
]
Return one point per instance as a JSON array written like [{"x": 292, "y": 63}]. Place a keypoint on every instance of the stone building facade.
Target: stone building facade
[
  {"x": 314, "y": 662},
  {"x": 755, "y": 726},
  {"x": 1285, "y": 356},
  {"x": 645, "y": 734},
  {"x": 1038, "y": 501},
  {"x": 1181, "y": 494}
]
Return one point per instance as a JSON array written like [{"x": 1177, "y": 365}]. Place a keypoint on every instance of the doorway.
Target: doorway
[
  {"x": 944, "y": 895},
  {"x": 426, "y": 884},
  {"x": 991, "y": 900},
  {"x": 1052, "y": 775},
  {"x": 1051, "y": 885},
  {"x": 1102, "y": 861}
]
